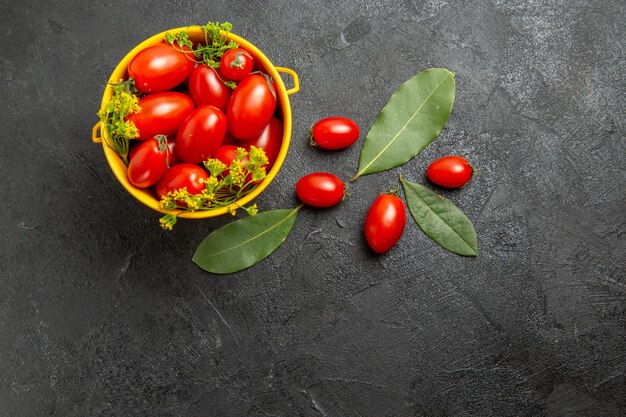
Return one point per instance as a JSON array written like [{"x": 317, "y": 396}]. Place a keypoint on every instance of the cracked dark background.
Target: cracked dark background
[{"x": 103, "y": 314}]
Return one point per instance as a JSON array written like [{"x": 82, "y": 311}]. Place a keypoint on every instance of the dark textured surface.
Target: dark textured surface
[{"x": 102, "y": 314}]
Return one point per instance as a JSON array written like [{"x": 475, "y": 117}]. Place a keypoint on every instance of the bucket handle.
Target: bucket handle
[
  {"x": 296, "y": 82},
  {"x": 95, "y": 137}
]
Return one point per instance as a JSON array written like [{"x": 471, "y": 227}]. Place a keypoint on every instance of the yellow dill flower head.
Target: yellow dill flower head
[
  {"x": 131, "y": 130},
  {"x": 214, "y": 166},
  {"x": 237, "y": 175},
  {"x": 258, "y": 174},
  {"x": 211, "y": 183},
  {"x": 167, "y": 222},
  {"x": 235, "y": 167},
  {"x": 193, "y": 202},
  {"x": 252, "y": 210},
  {"x": 240, "y": 154},
  {"x": 258, "y": 157},
  {"x": 126, "y": 98},
  {"x": 181, "y": 194},
  {"x": 207, "y": 196},
  {"x": 165, "y": 225},
  {"x": 133, "y": 102},
  {"x": 232, "y": 210},
  {"x": 167, "y": 203}
]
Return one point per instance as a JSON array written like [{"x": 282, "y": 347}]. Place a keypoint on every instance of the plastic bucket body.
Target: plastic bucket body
[{"x": 261, "y": 61}]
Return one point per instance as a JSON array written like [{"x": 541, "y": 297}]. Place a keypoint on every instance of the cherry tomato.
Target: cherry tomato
[
  {"x": 250, "y": 107},
  {"x": 149, "y": 162},
  {"x": 201, "y": 134},
  {"x": 206, "y": 87},
  {"x": 171, "y": 144},
  {"x": 236, "y": 64},
  {"x": 450, "y": 171},
  {"x": 161, "y": 114},
  {"x": 180, "y": 176},
  {"x": 385, "y": 222},
  {"x": 334, "y": 133},
  {"x": 270, "y": 140},
  {"x": 320, "y": 189},
  {"x": 159, "y": 68}
]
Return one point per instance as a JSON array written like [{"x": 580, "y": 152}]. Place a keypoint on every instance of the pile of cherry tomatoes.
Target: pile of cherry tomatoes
[
  {"x": 190, "y": 113},
  {"x": 386, "y": 218}
]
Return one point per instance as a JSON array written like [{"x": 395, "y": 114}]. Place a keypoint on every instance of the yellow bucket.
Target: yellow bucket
[{"x": 196, "y": 34}]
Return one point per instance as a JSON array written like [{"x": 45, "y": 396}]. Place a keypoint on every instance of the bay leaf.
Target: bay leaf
[
  {"x": 244, "y": 242},
  {"x": 441, "y": 220},
  {"x": 414, "y": 116}
]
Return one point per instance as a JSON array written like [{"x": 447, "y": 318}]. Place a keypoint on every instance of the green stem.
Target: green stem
[{"x": 356, "y": 177}]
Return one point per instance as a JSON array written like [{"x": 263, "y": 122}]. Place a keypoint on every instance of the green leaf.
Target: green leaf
[
  {"x": 441, "y": 220},
  {"x": 413, "y": 117},
  {"x": 243, "y": 243}
]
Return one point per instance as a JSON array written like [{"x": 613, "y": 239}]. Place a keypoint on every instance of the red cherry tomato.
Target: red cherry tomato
[
  {"x": 206, "y": 87},
  {"x": 250, "y": 107},
  {"x": 159, "y": 68},
  {"x": 171, "y": 144},
  {"x": 270, "y": 140},
  {"x": 320, "y": 189},
  {"x": 236, "y": 64},
  {"x": 149, "y": 162},
  {"x": 161, "y": 114},
  {"x": 385, "y": 222},
  {"x": 450, "y": 171},
  {"x": 335, "y": 133},
  {"x": 201, "y": 134},
  {"x": 188, "y": 176}
]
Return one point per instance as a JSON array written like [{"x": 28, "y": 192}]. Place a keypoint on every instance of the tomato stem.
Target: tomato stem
[
  {"x": 268, "y": 80},
  {"x": 393, "y": 191},
  {"x": 346, "y": 193},
  {"x": 230, "y": 84},
  {"x": 311, "y": 139}
]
